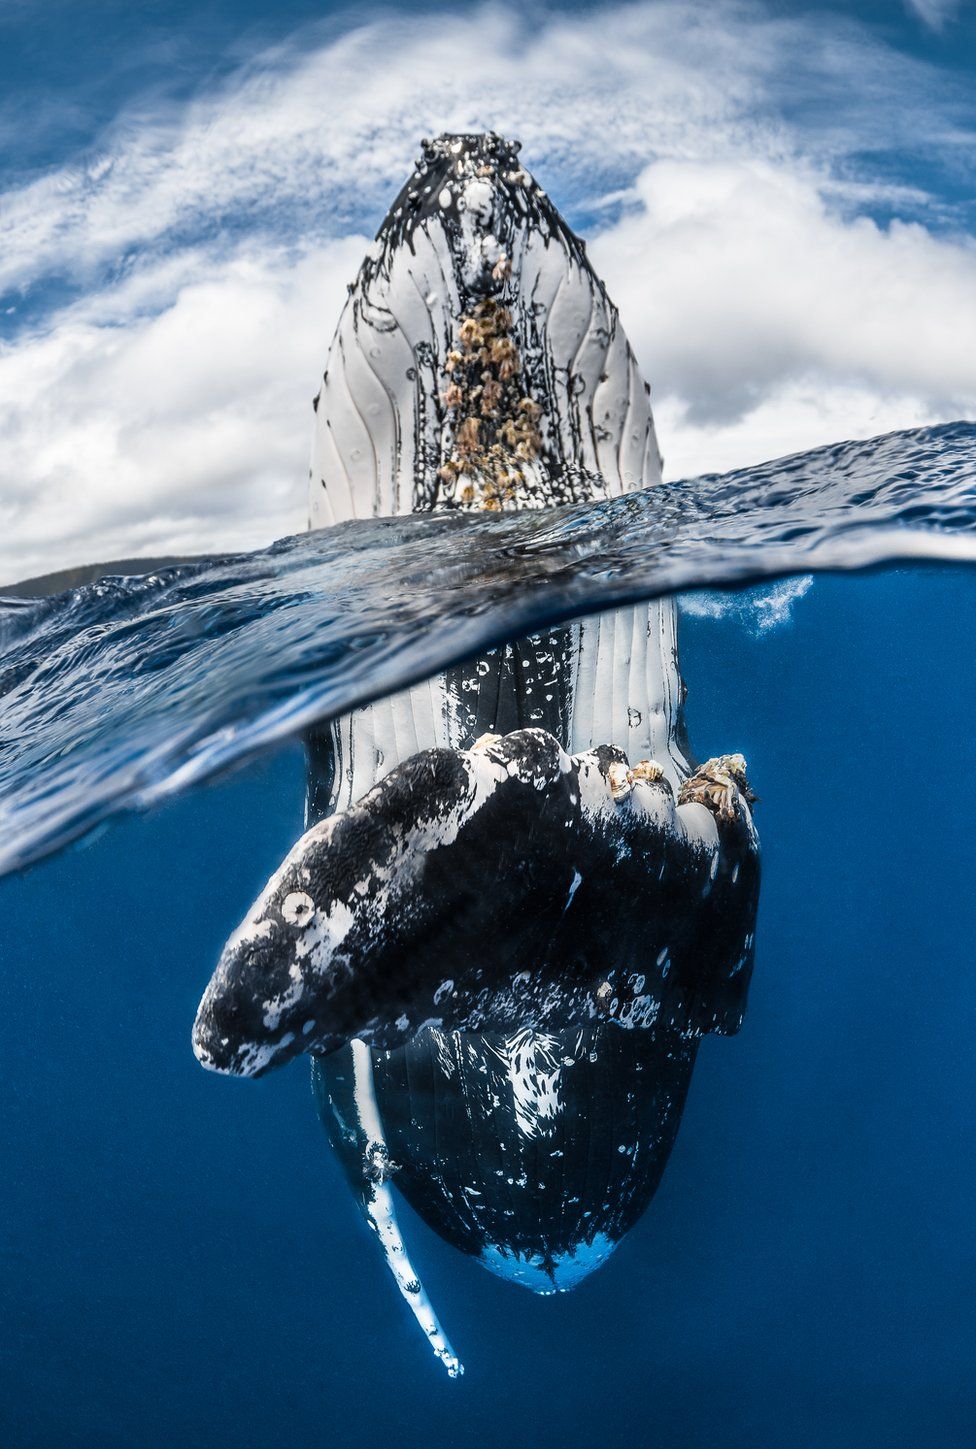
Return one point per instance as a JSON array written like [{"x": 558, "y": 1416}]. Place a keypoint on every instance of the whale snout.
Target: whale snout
[{"x": 474, "y": 186}]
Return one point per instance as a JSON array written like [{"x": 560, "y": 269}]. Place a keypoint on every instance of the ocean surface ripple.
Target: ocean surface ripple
[{"x": 118, "y": 694}]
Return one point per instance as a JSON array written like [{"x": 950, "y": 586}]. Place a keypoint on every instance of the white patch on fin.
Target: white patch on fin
[{"x": 381, "y": 1212}]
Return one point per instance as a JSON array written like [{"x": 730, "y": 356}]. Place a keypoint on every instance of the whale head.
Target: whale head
[{"x": 478, "y": 362}]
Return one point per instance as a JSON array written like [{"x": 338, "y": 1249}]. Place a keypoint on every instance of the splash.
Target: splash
[{"x": 758, "y": 610}]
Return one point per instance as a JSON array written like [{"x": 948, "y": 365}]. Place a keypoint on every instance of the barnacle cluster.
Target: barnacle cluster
[
  {"x": 718, "y": 784},
  {"x": 623, "y": 778},
  {"x": 495, "y": 426}
]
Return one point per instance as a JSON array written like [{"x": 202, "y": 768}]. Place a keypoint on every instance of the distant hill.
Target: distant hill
[{"x": 87, "y": 574}]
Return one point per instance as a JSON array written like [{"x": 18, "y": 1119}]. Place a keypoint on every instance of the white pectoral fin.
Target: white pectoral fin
[{"x": 380, "y": 1211}]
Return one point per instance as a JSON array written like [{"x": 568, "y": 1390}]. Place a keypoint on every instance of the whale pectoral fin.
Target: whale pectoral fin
[
  {"x": 346, "y": 1098},
  {"x": 487, "y": 889},
  {"x": 451, "y": 867}
]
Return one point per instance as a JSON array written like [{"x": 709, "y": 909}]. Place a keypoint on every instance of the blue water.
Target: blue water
[{"x": 182, "y": 1262}]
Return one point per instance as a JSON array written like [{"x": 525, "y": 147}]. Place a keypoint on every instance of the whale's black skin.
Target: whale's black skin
[
  {"x": 534, "y": 1154},
  {"x": 491, "y": 890}
]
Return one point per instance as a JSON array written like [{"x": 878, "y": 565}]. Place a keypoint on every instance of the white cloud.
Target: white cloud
[
  {"x": 166, "y": 408},
  {"x": 772, "y": 323},
  {"x": 175, "y": 431},
  {"x": 933, "y": 13}
]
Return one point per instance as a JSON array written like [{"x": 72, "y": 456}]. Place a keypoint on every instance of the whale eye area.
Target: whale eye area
[{"x": 297, "y": 908}]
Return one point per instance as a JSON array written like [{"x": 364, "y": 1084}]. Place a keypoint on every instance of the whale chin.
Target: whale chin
[
  {"x": 478, "y": 362},
  {"x": 532, "y": 1153},
  {"x": 557, "y": 1274}
]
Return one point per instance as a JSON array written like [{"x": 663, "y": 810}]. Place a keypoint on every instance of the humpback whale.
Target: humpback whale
[
  {"x": 518, "y": 904},
  {"x": 479, "y": 364}
]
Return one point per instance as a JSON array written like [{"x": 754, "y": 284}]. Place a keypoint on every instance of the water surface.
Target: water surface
[{"x": 123, "y": 692}]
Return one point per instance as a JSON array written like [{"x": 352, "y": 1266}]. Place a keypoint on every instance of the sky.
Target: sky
[{"x": 779, "y": 197}]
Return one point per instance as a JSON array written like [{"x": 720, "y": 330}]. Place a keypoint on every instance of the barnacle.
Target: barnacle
[
  {"x": 649, "y": 771},
  {"x": 497, "y": 432},
  {"x": 502, "y": 349},
  {"x": 488, "y": 316},
  {"x": 719, "y": 784},
  {"x": 491, "y": 395},
  {"x": 621, "y": 780},
  {"x": 467, "y": 435}
]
